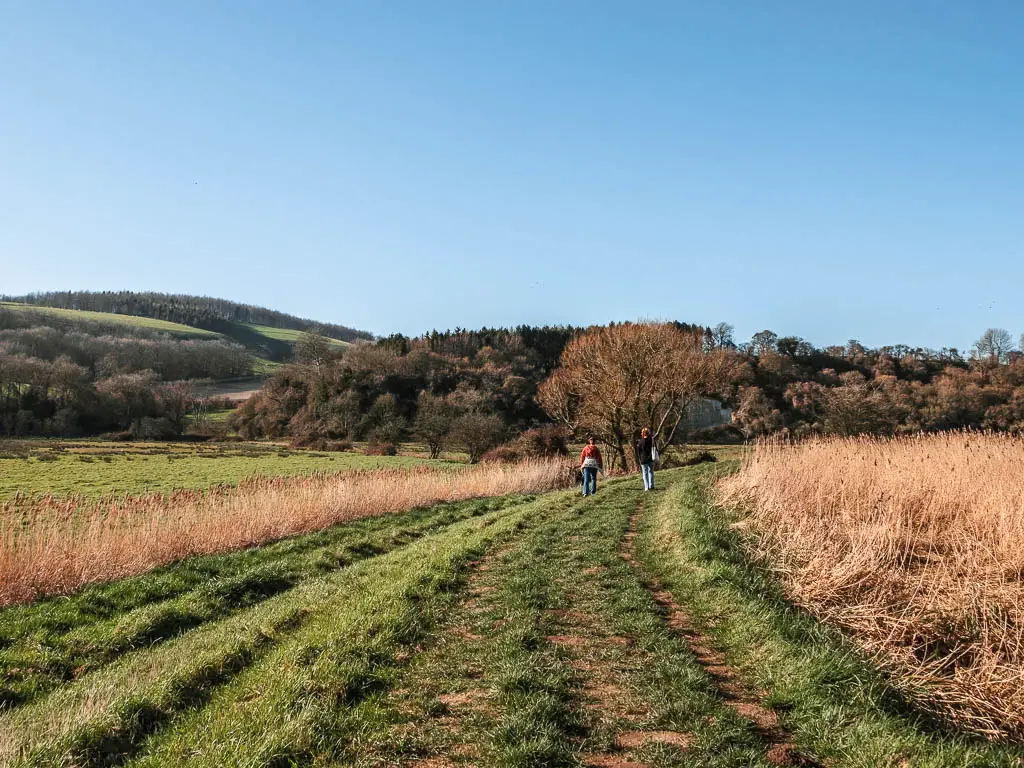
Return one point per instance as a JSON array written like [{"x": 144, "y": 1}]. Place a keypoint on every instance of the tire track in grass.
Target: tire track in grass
[
  {"x": 560, "y": 657},
  {"x": 780, "y": 748},
  {"x": 41, "y": 653},
  {"x": 439, "y": 711},
  {"x": 104, "y": 717},
  {"x": 833, "y": 700},
  {"x": 644, "y": 701},
  {"x": 315, "y": 699},
  {"x": 479, "y": 694}
]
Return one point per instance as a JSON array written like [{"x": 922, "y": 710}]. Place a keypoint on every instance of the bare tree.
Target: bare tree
[
  {"x": 757, "y": 414},
  {"x": 477, "y": 433},
  {"x": 313, "y": 350},
  {"x": 614, "y": 381},
  {"x": 719, "y": 337},
  {"x": 996, "y": 344},
  {"x": 177, "y": 399},
  {"x": 132, "y": 394},
  {"x": 433, "y": 423},
  {"x": 763, "y": 341}
]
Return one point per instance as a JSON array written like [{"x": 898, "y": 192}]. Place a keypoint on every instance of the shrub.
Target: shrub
[
  {"x": 722, "y": 434},
  {"x": 477, "y": 433},
  {"x": 320, "y": 444},
  {"x": 503, "y": 454},
  {"x": 380, "y": 449},
  {"x": 700, "y": 457},
  {"x": 221, "y": 403},
  {"x": 543, "y": 442},
  {"x": 124, "y": 436},
  {"x": 155, "y": 429}
]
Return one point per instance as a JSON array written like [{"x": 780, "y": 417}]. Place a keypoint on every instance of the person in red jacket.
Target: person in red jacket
[{"x": 591, "y": 464}]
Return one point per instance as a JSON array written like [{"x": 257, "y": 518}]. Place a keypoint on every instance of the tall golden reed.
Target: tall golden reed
[
  {"x": 55, "y": 546},
  {"x": 914, "y": 546}
]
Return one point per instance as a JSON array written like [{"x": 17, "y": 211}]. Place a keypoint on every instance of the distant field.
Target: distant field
[
  {"x": 94, "y": 468},
  {"x": 234, "y": 389},
  {"x": 287, "y": 334},
  {"x": 106, "y": 317},
  {"x": 270, "y": 347}
]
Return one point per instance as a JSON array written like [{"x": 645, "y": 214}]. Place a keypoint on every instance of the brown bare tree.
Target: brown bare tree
[
  {"x": 614, "y": 381},
  {"x": 995, "y": 345},
  {"x": 177, "y": 399}
]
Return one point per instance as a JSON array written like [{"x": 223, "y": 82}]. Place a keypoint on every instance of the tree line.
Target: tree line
[
  {"x": 199, "y": 311},
  {"x": 470, "y": 388},
  {"x": 104, "y": 356},
  {"x": 476, "y": 388},
  {"x": 73, "y": 378},
  {"x": 785, "y": 385}
]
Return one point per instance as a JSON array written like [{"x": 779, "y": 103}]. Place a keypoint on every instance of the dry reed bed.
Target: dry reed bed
[
  {"x": 55, "y": 546},
  {"x": 915, "y": 546}
]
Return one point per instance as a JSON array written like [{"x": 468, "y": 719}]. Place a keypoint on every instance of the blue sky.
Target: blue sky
[{"x": 832, "y": 170}]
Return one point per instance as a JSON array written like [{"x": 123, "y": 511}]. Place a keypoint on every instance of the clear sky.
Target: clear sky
[{"x": 833, "y": 170}]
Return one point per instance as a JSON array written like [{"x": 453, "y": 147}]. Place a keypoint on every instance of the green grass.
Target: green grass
[
  {"x": 52, "y": 641},
  {"x": 287, "y": 334},
  {"x": 304, "y": 703},
  {"x": 616, "y": 644},
  {"x": 289, "y": 668},
  {"x": 94, "y": 468},
  {"x": 71, "y": 315},
  {"x": 514, "y": 633}
]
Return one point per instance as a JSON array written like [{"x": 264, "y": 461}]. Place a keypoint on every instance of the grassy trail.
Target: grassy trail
[
  {"x": 51, "y": 642},
  {"x": 628, "y": 630}
]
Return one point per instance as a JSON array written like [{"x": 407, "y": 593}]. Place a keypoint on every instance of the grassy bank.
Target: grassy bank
[
  {"x": 93, "y": 468},
  {"x": 837, "y": 705}
]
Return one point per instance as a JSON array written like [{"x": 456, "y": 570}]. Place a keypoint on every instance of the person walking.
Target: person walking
[
  {"x": 591, "y": 463},
  {"x": 645, "y": 451}
]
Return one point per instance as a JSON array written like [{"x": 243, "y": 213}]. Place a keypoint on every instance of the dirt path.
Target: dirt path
[
  {"x": 560, "y": 654},
  {"x": 779, "y": 746}
]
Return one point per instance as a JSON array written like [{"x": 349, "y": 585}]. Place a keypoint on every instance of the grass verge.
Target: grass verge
[{"x": 836, "y": 705}]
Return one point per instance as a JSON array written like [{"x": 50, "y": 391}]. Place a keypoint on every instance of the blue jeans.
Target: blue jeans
[
  {"x": 647, "y": 470},
  {"x": 589, "y": 481}
]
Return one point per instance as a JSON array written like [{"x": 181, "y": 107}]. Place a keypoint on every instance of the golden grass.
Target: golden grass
[
  {"x": 59, "y": 545},
  {"x": 914, "y": 546}
]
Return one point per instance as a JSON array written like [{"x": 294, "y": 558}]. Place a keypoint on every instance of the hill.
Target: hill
[
  {"x": 29, "y": 315},
  {"x": 96, "y": 367},
  {"x": 269, "y": 345},
  {"x": 196, "y": 311}
]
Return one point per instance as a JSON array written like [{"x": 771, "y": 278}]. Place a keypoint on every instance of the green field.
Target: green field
[
  {"x": 94, "y": 468},
  {"x": 628, "y": 629},
  {"x": 269, "y": 346},
  {"x": 71, "y": 315},
  {"x": 287, "y": 334}
]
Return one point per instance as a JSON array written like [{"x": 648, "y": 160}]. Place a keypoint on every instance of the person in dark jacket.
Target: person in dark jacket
[{"x": 645, "y": 458}]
